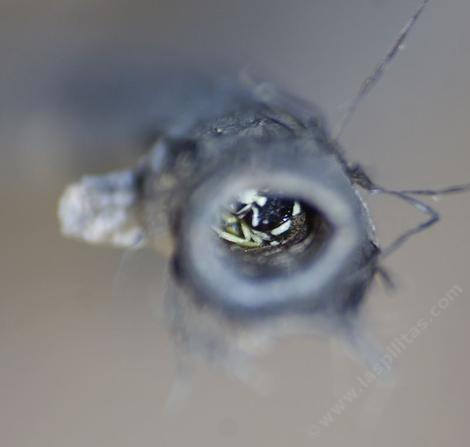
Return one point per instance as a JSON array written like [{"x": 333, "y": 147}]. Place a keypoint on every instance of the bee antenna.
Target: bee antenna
[{"x": 373, "y": 79}]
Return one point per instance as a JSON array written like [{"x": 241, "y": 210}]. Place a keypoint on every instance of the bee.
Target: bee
[
  {"x": 267, "y": 228},
  {"x": 260, "y": 219}
]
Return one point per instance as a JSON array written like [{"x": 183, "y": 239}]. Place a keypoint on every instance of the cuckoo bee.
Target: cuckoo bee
[{"x": 259, "y": 219}]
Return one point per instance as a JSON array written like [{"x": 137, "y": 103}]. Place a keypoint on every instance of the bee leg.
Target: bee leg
[
  {"x": 358, "y": 176},
  {"x": 242, "y": 242}
]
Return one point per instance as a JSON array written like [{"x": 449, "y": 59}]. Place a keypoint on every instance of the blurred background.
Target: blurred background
[{"x": 84, "y": 360}]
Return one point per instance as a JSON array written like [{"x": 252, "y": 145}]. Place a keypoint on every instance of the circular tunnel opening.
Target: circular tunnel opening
[{"x": 268, "y": 233}]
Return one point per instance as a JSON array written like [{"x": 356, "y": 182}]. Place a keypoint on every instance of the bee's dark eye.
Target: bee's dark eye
[{"x": 274, "y": 212}]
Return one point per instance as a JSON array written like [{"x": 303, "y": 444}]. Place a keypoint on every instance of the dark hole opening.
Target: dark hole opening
[{"x": 264, "y": 234}]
